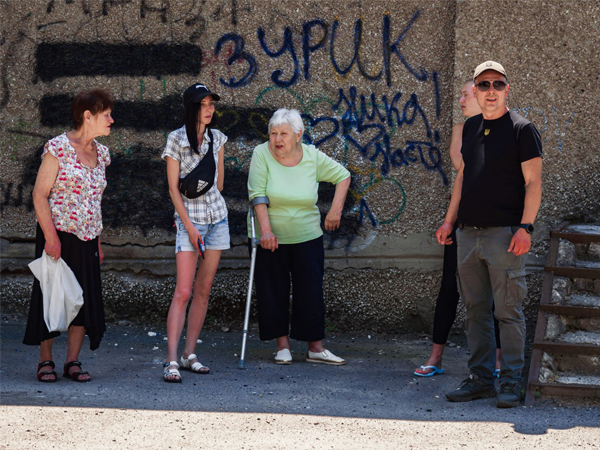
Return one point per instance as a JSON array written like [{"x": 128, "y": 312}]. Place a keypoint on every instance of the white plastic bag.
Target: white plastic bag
[{"x": 63, "y": 297}]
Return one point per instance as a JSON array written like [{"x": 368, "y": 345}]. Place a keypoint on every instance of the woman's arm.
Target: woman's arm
[
  {"x": 221, "y": 176},
  {"x": 334, "y": 216},
  {"x": 173, "y": 178},
  {"x": 445, "y": 230},
  {"x": 257, "y": 184},
  {"x": 43, "y": 184},
  {"x": 456, "y": 145},
  {"x": 268, "y": 240},
  {"x": 100, "y": 252}
]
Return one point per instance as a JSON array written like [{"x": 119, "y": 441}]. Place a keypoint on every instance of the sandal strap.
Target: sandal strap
[
  {"x": 197, "y": 366},
  {"x": 174, "y": 371},
  {"x": 46, "y": 363},
  {"x": 77, "y": 375},
  {"x": 71, "y": 364},
  {"x": 185, "y": 362}
]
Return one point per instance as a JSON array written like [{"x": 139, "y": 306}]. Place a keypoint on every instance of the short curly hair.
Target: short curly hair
[
  {"x": 289, "y": 117},
  {"x": 94, "y": 101}
]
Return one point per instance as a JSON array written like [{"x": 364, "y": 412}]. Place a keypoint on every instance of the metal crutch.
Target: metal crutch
[{"x": 254, "y": 244}]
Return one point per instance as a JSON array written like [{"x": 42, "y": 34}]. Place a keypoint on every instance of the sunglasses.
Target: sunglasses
[{"x": 485, "y": 85}]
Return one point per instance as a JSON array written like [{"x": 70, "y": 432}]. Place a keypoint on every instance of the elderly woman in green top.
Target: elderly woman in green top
[{"x": 283, "y": 186}]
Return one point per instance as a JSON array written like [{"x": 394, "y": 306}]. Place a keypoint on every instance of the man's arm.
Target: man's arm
[{"x": 532, "y": 172}]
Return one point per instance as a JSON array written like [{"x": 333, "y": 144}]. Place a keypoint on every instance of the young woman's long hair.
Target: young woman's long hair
[{"x": 190, "y": 120}]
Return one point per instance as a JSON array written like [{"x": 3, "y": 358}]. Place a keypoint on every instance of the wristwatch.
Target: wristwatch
[{"x": 527, "y": 227}]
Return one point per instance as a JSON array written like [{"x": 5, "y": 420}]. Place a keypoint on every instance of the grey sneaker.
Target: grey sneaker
[
  {"x": 472, "y": 388},
  {"x": 510, "y": 395}
]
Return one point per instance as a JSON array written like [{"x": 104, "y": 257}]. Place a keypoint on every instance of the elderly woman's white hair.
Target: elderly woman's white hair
[{"x": 289, "y": 117}]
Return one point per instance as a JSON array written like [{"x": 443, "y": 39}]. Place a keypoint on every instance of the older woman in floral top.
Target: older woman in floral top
[{"x": 67, "y": 195}]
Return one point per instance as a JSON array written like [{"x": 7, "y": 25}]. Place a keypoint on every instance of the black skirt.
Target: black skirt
[{"x": 83, "y": 259}]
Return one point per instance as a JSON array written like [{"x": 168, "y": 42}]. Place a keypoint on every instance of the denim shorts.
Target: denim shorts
[{"x": 215, "y": 236}]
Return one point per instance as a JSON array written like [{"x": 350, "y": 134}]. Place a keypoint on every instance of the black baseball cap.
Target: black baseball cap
[{"x": 196, "y": 92}]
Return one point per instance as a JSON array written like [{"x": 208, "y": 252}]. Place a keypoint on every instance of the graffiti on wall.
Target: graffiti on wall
[
  {"x": 559, "y": 129},
  {"x": 318, "y": 35},
  {"x": 377, "y": 129}
]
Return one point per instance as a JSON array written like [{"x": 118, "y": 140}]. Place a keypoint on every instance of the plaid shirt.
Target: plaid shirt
[{"x": 209, "y": 208}]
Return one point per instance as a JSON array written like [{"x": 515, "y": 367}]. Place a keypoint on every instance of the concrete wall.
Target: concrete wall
[{"x": 377, "y": 83}]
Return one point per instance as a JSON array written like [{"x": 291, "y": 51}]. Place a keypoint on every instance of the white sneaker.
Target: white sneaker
[
  {"x": 324, "y": 357},
  {"x": 283, "y": 356}
]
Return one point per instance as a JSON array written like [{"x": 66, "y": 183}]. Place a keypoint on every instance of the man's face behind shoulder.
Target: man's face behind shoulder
[{"x": 492, "y": 102}]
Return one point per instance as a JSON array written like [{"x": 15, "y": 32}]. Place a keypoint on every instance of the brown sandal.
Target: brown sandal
[
  {"x": 51, "y": 373},
  {"x": 75, "y": 376}
]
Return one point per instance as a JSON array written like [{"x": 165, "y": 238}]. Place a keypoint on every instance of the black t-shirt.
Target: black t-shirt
[{"x": 493, "y": 190}]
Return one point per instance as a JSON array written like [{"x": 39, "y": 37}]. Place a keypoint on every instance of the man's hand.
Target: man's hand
[
  {"x": 520, "y": 242},
  {"x": 443, "y": 233}
]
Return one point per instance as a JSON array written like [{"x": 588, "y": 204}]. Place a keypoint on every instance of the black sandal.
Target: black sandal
[
  {"x": 46, "y": 372},
  {"x": 75, "y": 376}
]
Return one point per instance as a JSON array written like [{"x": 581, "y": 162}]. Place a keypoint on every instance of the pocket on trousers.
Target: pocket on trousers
[{"x": 516, "y": 286}]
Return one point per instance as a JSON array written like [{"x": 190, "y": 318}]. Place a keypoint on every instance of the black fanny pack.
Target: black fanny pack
[{"x": 202, "y": 178}]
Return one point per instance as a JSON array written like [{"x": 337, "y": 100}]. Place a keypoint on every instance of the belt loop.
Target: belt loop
[{"x": 461, "y": 226}]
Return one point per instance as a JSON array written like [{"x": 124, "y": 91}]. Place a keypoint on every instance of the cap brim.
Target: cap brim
[
  {"x": 200, "y": 97},
  {"x": 215, "y": 97},
  {"x": 488, "y": 70}
]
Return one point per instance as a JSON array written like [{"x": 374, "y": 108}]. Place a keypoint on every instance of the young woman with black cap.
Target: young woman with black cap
[{"x": 201, "y": 221}]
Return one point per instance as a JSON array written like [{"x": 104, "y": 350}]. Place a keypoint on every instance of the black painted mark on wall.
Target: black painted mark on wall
[
  {"x": 165, "y": 114},
  {"x": 19, "y": 194},
  {"x": 235, "y": 185},
  {"x": 137, "y": 191},
  {"x": 141, "y": 115},
  {"x": 233, "y": 12},
  {"x": 56, "y": 60}
]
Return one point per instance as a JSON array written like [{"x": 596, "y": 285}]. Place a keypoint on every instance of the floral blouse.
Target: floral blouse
[{"x": 77, "y": 192}]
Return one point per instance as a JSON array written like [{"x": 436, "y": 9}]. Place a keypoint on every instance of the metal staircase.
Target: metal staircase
[{"x": 565, "y": 361}]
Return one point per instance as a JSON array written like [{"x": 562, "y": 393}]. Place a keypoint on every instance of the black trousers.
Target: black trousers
[
  {"x": 447, "y": 300},
  {"x": 304, "y": 262}
]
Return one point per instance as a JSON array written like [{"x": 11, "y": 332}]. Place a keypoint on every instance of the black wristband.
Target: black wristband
[{"x": 527, "y": 227}]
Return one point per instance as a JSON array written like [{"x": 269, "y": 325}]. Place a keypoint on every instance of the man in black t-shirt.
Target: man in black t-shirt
[{"x": 495, "y": 199}]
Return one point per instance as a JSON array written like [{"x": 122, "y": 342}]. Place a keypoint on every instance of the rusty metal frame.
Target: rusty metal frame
[
  {"x": 566, "y": 390},
  {"x": 540, "y": 345}
]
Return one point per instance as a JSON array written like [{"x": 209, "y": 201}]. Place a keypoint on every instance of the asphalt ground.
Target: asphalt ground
[{"x": 374, "y": 401}]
